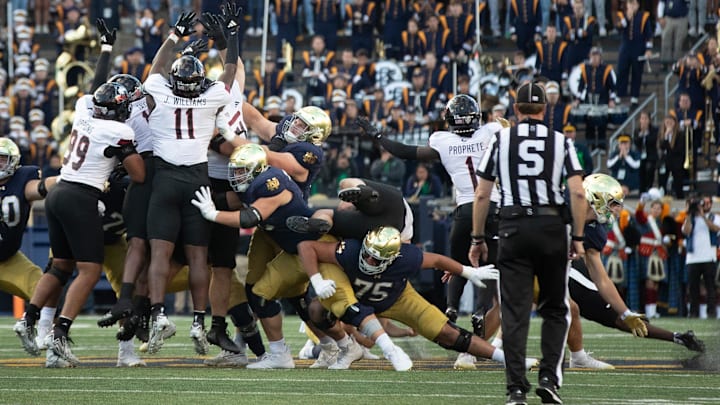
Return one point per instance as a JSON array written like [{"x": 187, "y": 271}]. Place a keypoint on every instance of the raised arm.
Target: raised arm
[
  {"x": 183, "y": 27},
  {"x": 107, "y": 40},
  {"x": 423, "y": 153},
  {"x": 231, "y": 23}
]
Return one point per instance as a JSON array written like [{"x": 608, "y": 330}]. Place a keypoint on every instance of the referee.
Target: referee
[{"x": 531, "y": 162}]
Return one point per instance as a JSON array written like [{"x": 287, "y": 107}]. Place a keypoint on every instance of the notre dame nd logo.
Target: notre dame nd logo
[
  {"x": 272, "y": 184},
  {"x": 310, "y": 158}
]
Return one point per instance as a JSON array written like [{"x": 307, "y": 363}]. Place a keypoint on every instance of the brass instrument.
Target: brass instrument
[
  {"x": 688, "y": 164},
  {"x": 708, "y": 145},
  {"x": 287, "y": 51},
  {"x": 380, "y": 48}
]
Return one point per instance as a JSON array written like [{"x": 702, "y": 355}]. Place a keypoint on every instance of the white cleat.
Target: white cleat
[
  {"x": 26, "y": 334},
  {"x": 368, "y": 355},
  {"x": 40, "y": 339},
  {"x": 52, "y": 360},
  {"x": 589, "y": 362},
  {"x": 61, "y": 347},
  {"x": 227, "y": 359},
  {"x": 274, "y": 360},
  {"x": 328, "y": 355},
  {"x": 399, "y": 359},
  {"x": 199, "y": 338},
  {"x": 128, "y": 358},
  {"x": 161, "y": 329},
  {"x": 347, "y": 356},
  {"x": 306, "y": 352},
  {"x": 531, "y": 362},
  {"x": 465, "y": 361}
]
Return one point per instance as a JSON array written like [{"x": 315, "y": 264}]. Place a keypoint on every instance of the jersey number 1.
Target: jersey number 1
[{"x": 178, "y": 123}]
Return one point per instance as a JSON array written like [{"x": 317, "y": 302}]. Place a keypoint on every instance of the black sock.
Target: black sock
[
  {"x": 199, "y": 317},
  {"x": 157, "y": 309},
  {"x": 141, "y": 304},
  {"x": 63, "y": 326},
  {"x": 243, "y": 319},
  {"x": 32, "y": 314},
  {"x": 255, "y": 343},
  {"x": 219, "y": 322},
  {"x": 126, "y": 291}
]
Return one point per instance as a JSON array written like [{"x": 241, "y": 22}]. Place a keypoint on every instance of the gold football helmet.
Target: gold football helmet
[
  {"x": 9, "y": 158},
  {"x": 379, "y": 249},
  {"x": 309, "y": 124},
  {"x": 603, "y": 193},
  {"x": 246, "y": 163}
]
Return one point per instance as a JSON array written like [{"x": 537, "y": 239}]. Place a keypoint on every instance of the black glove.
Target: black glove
[
  {"x": 369, "y": 129},
  {"x": 195, "y": 48},
  {"x": 184, "y": 25},
  {"x": 277, "y": 143},
  {"x": 214, "y": 29},
  {"x": 231, "y": 17},
  {"x": 106, "y": 37}
]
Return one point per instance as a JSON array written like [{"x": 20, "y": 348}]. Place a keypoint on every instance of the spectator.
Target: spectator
[
  {"x": 318, "y": 65},
  {"x": 362, "y": 16},
  {"x": 578, "y": 30},
  {"x": 327, "y": 21},
  {"x": 388, "y": 169},
  {"x": 150, "y": 32},
  {"x": 339, "y": 166},
  {"x": 636, "y": 41},
  {"x": 375, "y": 107},
  {"x": 461, "y": 36},
  {"x": 436, "y": 75},
  {"x": 498, "y": 111},
  {"x": 272, "y": 83},
  {"x": 672, "y": 147},
  {"x": 414, "y": 45},
  {"x": 36, "y": 118},
  {"x": 421, "y": 98},
  {"x": 437, "y": 38},
  {"x": 599, "y": 15},
  {"x": 52, "y": 168},
  {"x": 134, "y": 64},
  {"x": 582, "y": 150},
  {"x": 624, "y": 163},
  {"x": 23, "y": 99},
  {"x": 557, "y": 113},
  {"x": 69, "y": 25},
  {"x": 701, "y": 227},
  {"x": 396, "y": 122},
  {"x": 19, "y": 135},
  {"x": 673, "y": 18},
  {"x": 255, "y": 12},
  {"x": 691, "y": 73},
  {"x": 697, "y": 16},
  {"x": 176, "y": 7},
  {"x": 646, "y": 143},
  {"x": 40, "y": 149},
  {"x": 397, "y": 13},
  {"x": 286, "y": 12},
  {"x": 422, "y": 183},
  {"x": 4, "y": 115},
  {"x": 597, "y": 86},
  {"x": 273, "y": 110},
  {"x": 337, "y": 106},
  {"x": 550, "y": 61},
  {"x": 526, "y": 20},
  {"x": 690, "y": 117},
  {"x": 46, "y": 91}
]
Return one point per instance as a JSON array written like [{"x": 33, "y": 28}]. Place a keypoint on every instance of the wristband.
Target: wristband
[
  {"x": 477, "y": 242},
  {"x": 106, "y": 48},
  {"x": 625, "y": 314},
  {"x": 173, "y": 37},
  {"x": 576, "y": 238},
  {"x": 477, "y": 237},
  {"x": 41, "y": 188}
]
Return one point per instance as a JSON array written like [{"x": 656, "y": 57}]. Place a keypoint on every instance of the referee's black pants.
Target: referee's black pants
[{"x": 528, "y": 247}]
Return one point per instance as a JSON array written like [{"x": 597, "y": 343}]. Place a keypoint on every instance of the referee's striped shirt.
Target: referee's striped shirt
[{"x": 531, "y": 163}]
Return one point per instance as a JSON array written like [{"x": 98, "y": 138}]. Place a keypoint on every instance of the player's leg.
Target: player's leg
[
  {"x": 19, "y": 276},
  {"x": 579, "y": 358},
  {"x": 199, "y": 285},
  {"x": 459, "y": 245}
]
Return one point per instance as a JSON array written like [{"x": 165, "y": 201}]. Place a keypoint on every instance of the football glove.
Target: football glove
[
  {"x": 106, "y": 37},
  {"x": 214, "y": 30},
  {"x": 184, "y": 25},
  {"x": 205, "y": 203},
  {"x": 477, "y": 275},
  {"x": 195, "y": 48},
  {"x": 323, "y": 288},
  {"x": 230, "y": 14},
  {"x": 368, "y": 128},
  {"x": 636, "y": 323}
]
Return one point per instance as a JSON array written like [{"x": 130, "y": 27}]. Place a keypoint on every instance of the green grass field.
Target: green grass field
[{"x": 647, "y": 372}]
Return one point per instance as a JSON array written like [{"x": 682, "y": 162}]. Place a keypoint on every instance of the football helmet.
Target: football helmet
[
  {"x": 9, "y": 158},
  {"x": 309, "y": 124},
  {"x": 462, "y": 114},
  {"x": 187, "y": 77},
  {"x": 246, "y": 163},
  {"x": 132, "y": 85},
  {"x": 379, "y": 249},
  {"x": 603, "y": 193},
  {"x": 111, "y": 101}
]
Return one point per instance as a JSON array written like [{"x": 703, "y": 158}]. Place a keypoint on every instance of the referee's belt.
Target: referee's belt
[{"x": 519, "y": 211}]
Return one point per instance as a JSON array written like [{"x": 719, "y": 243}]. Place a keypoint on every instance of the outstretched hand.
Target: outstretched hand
[
  {"x": 184, "y": 25},
  {"x": 367, "y": 127},
  {"x": 106, "y": 37},
  {"x": 196, "y": 47}
]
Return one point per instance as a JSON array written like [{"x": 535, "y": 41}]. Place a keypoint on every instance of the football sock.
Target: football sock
[
  {"x": 277, "y": 346},
  {"x": 385, "y": 344},
  {"x": 219, "y": 322},
  {"x": 344, "y": 342},
  {"x": 243, "y": 320},
  {"x": 126, "y": 290},
  {"x": 141, "y": 304},
  {"x": 199, "y": 317},
  {"x": 157, "y": 309},
  {"x": 497, "y": 342},
  {"x": 47, "y": 315},
  {"x": 326, "y": 339},
  {"x": 499, "y": 356},
  {"x": 578, "y": 355},
  {"x": 126, "y": 346},
  {"x": 63, "y": 326},
  {"x": 31, "y": 314}
]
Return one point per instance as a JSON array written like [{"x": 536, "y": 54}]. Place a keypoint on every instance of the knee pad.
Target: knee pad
[
  {"x": 462, "y": 343},
  {"x": 64, "y": 277},
  {"x": 260, "y": 306},
  {"x": 371, "y": 327},
  {"x": 240, "y": 315},
  {"x": 321, "y": 317},
  {"x": 354, "y": 314},
  {"x": 301, "y": 307}
]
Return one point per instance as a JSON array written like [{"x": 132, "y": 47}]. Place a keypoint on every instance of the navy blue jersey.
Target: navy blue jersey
[
  {"x": 270, "y": 183},
  {"x": 380, "y": 291},
  {"x": 15, "y": 210},
  {"x": 310, "y": 157},
  {"x": 595, "y": 236},
  {"x": 113, "y": 198}
]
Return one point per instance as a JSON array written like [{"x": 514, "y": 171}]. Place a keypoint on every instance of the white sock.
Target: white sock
[
  {"x": 650, "y": 310},
  {"x": 126, "y": 346},
  {"x": 277, "y": 346},
  {"x": 385, "y": 344},
  {"x": 326, "y": 339},
  {"x": 717, "y": 312},
  {"x": 497, "y": 342},
  {"x": 580, "y": 354},
  {"x": 47, "y": 314},
  {"x": 703, "y": 311},
  {"x": 499, "y": 356},
  {"x": 344, "y": 342}
]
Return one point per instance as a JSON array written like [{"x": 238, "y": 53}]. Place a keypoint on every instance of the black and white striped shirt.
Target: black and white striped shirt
[{"x": 531, "y": 163}]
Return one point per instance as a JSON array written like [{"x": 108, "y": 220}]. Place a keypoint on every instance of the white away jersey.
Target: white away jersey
[
  {"x": 85, "y": 160},
  {"x": 232, "y": 113},
  {"x": 84, "y": 106},
  {"x": 182, "y": 127},
  {"x": 138, "y": 121},
  {"x": 461, "y": 155}
]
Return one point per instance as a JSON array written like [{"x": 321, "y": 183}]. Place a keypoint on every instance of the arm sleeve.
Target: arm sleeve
[
  {"x": 101, "y": 71},
  {"x": 399, "y": 149}
]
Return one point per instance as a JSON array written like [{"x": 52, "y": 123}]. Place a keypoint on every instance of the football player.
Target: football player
[
  {"x": 19, "y": 187},
  {"x": 379, "y": 267},
  {"x": 185, "y": 108},
  {"x": 97, "y": 145}
]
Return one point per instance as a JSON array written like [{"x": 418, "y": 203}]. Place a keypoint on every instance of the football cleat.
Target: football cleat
[
  {"x": 478, "y": 323},
  {"x": 121, "y": 310},
  {"x": 41, "y": 338},
  {"x": 27, "y": 335},
  {"x": 368, "y": 355},
  {"x": 219, "y": 337},
  {"x": 399, "y": 359},
  {"x": 52, "y": 360},
  {"x": 227, "y": 359},
  {"x": 452, "y": 314},
  {"x": 300, "y": 224},
  {"x": 161, "y": 329},
  {"x": 358, "y": 194},
  {"x": 197, "y": 334},
  {"x": 60, "y": 346},
  {"x": 307, "y": 351},
  {"x": 465, "y": 361},
  {"x": 128, "y": 358},
  {"x": 689, "y": 340},
  {"x": 328, "y": 355},
  {"x": 129, "y": 328},
  {"x": 274, "y": 360},
  {"x": 547, "y": 391},
  {"x": 516, "y": 397},
  {"x": 531, "y": 362},
  {"x": 347, "y": 356},
  {"x": 143, "y": 329},
  {"x": 589, "y": 362}
]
